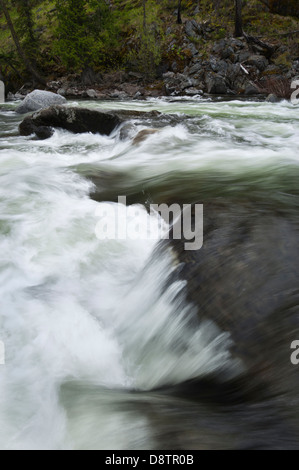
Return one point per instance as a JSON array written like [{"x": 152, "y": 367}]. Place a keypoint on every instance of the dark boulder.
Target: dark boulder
[
  {"x": 77, "y": 120},
  {"x": 245, "y": 280},
  {"x": 27, "y": 128}
]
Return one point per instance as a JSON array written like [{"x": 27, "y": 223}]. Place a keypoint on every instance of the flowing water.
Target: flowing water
[{"x": 95, "y": 338}]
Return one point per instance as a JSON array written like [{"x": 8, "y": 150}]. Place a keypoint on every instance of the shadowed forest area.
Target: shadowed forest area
[{"x": 83, "y": 40}]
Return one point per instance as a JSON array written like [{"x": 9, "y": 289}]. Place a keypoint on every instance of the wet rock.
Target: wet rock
[
  {"x": 143, "y": 135},
  {"x": 245, "y": 280},
  {"x": 77, "y": 120},
  {"x": 11, "y": 97},
  {"x": 44, "y": 132},
  {"x": 127, "y": 131},
  {"x": 120, "y": 95},
  {"x": 273, "y": 99},
  {"x": 39, "y": 99},
  {"x": 137, "y": 95},
  {"x": 193, "y": 91},
  {"x": 27, "y": 128}
]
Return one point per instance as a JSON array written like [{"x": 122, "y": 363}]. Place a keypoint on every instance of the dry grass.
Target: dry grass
[{"x": 281, "y": 87}]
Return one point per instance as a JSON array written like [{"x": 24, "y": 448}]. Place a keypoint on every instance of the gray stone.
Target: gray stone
[
  {"x": 197, "y": 83},
  {"x": 251, "y": 89},
  {"x": 127, "y": 131},
  {"x": 193, "y": 29},
  {"x": 137, "y": 95},
  {"x": 213, "y": 64},
  {"x": 243, "y": 56},
  {"x": 227, "y": 53},
  {"x": 219, "y": 46},
  {"x": 11, "y": 97},
  {"x": 192, "y": 49},
  {"x": 236, "y": 43},
  {"x": 120, "y": 95},
  {"x": 195, "y": 68},
  {"x": 92, "y": 94},
  {"x": 216, "y": 85},
  {"x": 258, "y": 61},
  {"x": 174, "y": 66},
  {"x": 61, "y": 91},
  {"x": 39, "y": 99},
  {"x": 193, "y": 91},
  {"x": 272, "y": 99},
  {"x": 222, "y": 67},
  {"x": 168, "y": 75}
]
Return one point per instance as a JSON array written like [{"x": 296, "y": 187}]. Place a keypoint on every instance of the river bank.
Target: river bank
[{"x": 241, "y": 67}]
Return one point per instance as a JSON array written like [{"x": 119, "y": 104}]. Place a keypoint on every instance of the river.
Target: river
[{"x": 95, "y": 340}]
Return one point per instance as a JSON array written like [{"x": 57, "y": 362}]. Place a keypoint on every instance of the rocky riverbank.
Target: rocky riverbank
[{"x": 234, "y": 67}]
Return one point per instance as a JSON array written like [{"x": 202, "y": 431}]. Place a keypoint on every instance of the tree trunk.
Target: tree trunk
[
  {"x": 144, "y": 16},
  {"x": 238, "y": 19},
  {"x": 19, "y": 48},
  {"x": 179, "y": 12}
]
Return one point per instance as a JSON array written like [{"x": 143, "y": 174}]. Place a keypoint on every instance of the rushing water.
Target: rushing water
[{"x": 95, "y": 338}]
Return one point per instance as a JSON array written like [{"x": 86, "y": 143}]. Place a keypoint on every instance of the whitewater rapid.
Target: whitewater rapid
[{"x": 86, "y": 322}]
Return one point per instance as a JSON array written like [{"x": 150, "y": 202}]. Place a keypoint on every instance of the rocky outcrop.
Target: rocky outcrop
[
  {"x": 233, "y": 67},
  {"x": 39, "y": 99},
  {"x": 77, "y": 120}
]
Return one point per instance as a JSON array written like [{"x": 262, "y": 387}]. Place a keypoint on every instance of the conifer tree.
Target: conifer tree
[{"x": 21, "y": 52}]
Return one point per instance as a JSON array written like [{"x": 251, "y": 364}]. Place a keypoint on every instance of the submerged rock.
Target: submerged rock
[
  {"x": 143, "y": 135},
  {"x": 39, "y": 99},
  {"x": 273, "y": 99},
  {"x": 245, "y": 280}
]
